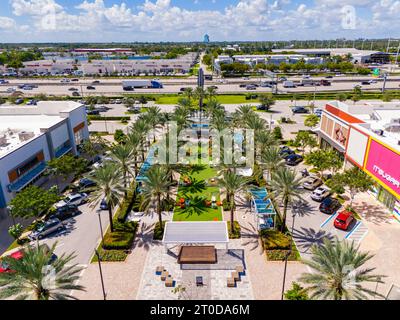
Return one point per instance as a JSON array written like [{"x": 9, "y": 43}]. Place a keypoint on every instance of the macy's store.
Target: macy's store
[{"x": 380, "y": 159}]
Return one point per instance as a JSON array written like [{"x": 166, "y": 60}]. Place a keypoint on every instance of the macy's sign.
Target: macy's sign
[{"x": 387, "y": 176}]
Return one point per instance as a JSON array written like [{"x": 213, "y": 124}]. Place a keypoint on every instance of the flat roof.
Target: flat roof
[{"x": 196, "y": 232}]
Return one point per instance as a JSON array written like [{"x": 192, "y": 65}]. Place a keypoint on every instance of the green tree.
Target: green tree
[
  {"x": 123, "y": 157},
  {"x": 271, "y": 160},
  {"x": 356, "y": 181},
  {"x": 387, "y": 96},
  {"x": 323, "y": 160},
  {"x": 38, "y": 277},
  {"x": 287, "y": 187},
  {"x": 297, "y": 292},
  {"x": 338, "y": 272},
  {"x": 312, "y": 121},
  {"x": 109, "y": 186},
  {"x": 341, "y": 97},
  {"x": 16, "y": 231},
  {"x": 67, "y": 166},
  {"x": 267, "y": 101},
  {"x": 156, "y": 187},
  {"x": 277, "y": 132},
  {"x": 32, "y": 202},
  {"x": 232, "y": 184},
  {"x": 305, "y": 139}
]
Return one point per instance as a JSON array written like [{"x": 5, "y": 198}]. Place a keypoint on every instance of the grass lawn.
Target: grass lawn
[{"x": 198, "y": 211}]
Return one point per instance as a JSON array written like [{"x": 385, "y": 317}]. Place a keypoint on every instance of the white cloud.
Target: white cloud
[{"x": 7, "y": 23}]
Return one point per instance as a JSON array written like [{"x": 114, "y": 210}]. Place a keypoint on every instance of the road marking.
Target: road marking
[
  {"x": 327, "y": 220},
  {"x": 354, "y": 230}
]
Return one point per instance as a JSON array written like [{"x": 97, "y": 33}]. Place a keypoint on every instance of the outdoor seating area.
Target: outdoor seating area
[
  {"x": 236, "y": 276},
  {"x": 197, "y": 255},
  {"x": 165, "y": 277}
]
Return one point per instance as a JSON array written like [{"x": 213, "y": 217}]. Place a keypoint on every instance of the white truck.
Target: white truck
[
  {"x": 130, "y": 85},
  {"x": 289, "y": 84}
]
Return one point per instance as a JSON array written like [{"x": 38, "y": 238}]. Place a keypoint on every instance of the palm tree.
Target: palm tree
[
  {"x": 242, "y": 114},
  {"x": 133, "y": 143},
  {"x": 188, "y": 94},
  {"x": 156, "y": 186},
  {"x": 286, "y": 186},
  {"x": 271, "y": 160},
  {"x": 338, "y": 273},
  {"x": 200, "y": 94},
  {"x": 154, "y": 117},
  {"x": 142, "y": 128},
  {"x": 123, "y": 156},
  {"x": 109, "y": 187},
  {"x": 265, "y": 139},
  {"x": 38, "y": 277},
  {"x": 210, "y": 94},
  {"x": 232, "y": 184}
]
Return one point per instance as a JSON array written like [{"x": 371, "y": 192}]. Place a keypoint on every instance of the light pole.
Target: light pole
[
  {"x": 101, "y": 274},
  {"x": 287, "y": 257},
  {"x": 98, "y": 255}
]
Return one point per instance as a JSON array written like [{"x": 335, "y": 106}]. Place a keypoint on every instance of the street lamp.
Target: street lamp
[
  {"x": 287, "y": 256},
  {"x": 98, "y": 255}
]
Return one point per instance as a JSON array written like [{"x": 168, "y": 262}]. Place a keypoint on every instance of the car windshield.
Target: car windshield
[{"x": 340, "y": 220}]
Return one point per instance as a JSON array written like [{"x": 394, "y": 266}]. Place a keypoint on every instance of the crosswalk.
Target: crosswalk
[{"x": 358, "y": 233}]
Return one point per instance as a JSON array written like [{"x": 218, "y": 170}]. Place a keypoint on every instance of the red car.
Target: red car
[
  {"x": 344, "y": 220},
  {"x": 4, "y": 268}
]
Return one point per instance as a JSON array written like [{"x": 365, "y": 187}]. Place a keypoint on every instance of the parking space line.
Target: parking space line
[
  {"x": 354, "y": 230},
  {"x": 327, "y": 220}
]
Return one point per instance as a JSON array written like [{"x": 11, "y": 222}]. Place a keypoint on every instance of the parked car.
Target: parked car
[
  {"x": 118, "y": 101},
  {"x": 300, "y": 110},
  {"x": 73, "y": 89},
  {"x": 19, "y": 101},
  {"x": 104, "y": 205},
  {"x": 284, "y": 152},
  {"x": 312, "y": 183},
  {"x": 76, "y": 94},
  {"x": 102, "y": 108},
  {"x": 4, "y": 267},
  {"x": 11, "y": 90},
  {"x": 344, "y": 220},
  {"x": 320, "y": 194},
  {"x": 242, "y": 85},
  {"x": 318, "y": 112},
  {"x": 251, "y": 87},
  {"x": 329, "y": 205},
  {"x": 75, "y": 199},
  {"x": 46, "y": 228},
  {"x": 86, "y": 183},
  {"x": 65, "y": 213},
  {"x": 92, "y": 112},
  {"x": 32, "y": 102},
  {"x": 293, "y": 159}
]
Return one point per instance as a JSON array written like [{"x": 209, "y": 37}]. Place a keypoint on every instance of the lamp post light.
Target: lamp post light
[
  {"x": 287, "y": 256},
  {"x": 99, "y": 257}
]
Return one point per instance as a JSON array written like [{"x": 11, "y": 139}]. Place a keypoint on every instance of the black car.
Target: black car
[
  {"x": 91, "y": 88},
  {"x": 92, "y": 112},
  {"x": 96, "y": 82},
  {"x": 300, "y": 110},
  {"x": 329, "y": 205},
  {"x": 104, "y": 205},
  {"x": 86, "y": 183},
  {"x": 66, "y": 212},
  {"x": 293, "y": 159},
  {"x": 285, "y": 152}
]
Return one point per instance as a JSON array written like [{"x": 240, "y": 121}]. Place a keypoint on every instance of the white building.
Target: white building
[
  {"x": 31, "y": 136},
  {"x": 49, "y": 66}
]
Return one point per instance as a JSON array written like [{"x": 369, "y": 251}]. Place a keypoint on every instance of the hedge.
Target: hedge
[
  {"x": 159, "y": 232},
  {"x": 275, "y": 240},
  {"x": 280, "y": 255},
  {"x": 110, "y": 255},
  {"x": 122, "y": 238},
  {"x": 237, "y": 230},
  {"x": 100, "y": 118}
]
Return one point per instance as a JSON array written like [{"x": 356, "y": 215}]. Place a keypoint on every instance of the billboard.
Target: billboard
[{"x": 383, "y": 164}]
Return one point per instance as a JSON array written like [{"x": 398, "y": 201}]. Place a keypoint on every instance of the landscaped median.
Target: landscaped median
[
  {"x": 117, "y": 244},
  {"x": 277, "y": 245}
]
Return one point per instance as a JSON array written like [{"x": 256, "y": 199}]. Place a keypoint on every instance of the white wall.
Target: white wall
[
  {"x": 59, "y": 136},
  {"x": 357, "y": 146}
]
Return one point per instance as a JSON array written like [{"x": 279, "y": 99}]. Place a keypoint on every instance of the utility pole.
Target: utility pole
[
  {"x": 384, "y": 82},
  {"x": 388, "y": 46},
  {"x": 397, "y": 54},
  {"x": 287, "y": 258}
]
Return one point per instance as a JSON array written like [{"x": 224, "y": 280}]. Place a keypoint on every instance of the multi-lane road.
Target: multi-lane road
[{"x": 172, "y": 86}]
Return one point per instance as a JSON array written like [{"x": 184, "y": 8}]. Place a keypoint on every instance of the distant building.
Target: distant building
[
  {"x": 32, "y": 136},
  {"x": 206, "y": 38}
]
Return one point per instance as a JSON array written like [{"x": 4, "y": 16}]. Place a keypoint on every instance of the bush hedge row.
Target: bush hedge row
[{"x": 237, "y": 230}]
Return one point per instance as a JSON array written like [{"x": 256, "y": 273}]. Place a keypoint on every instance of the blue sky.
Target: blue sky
[{"x": 189, "y": 20}]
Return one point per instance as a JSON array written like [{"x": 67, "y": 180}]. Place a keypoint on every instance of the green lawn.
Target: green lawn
[{"x": 198, "y": 211}]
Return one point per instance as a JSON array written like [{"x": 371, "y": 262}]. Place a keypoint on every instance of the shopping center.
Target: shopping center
[{"x": 368, "y": 136}]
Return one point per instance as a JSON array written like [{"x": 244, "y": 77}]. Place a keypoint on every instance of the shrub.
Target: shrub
[
  {"x": 237, "y": 230},
  {"x": 280, "y": 255},
  {"x": 226, "y": 205},
  {"x": 297, "y": 292},
  {"x": 275, "y": 240},
  {"x": 111, "y": 255},
  {"x": 122, "y": 238},
  {"x": 158, "y": 231},
  {"x": 277, "y": 132}
]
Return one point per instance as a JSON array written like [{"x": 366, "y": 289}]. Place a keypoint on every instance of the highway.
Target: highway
[{"x": 110, "y": 87}]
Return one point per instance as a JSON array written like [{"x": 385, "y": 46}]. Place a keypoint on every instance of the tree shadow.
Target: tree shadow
[
  {"x": 197, "y": 206},
  {"x": 305, "y": 238},
  {"x": 373, "y": 213},
  {"x": 302, "y": 208},
  {"x": 196, "y": 186}
]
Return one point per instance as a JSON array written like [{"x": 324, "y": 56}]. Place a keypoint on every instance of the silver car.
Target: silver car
[
  {"x": 320, "y": 194},
  {"x": 46, "y": 228},
  {"x": 73, "y": 199},
  {"x": 311, "y": 183}
]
